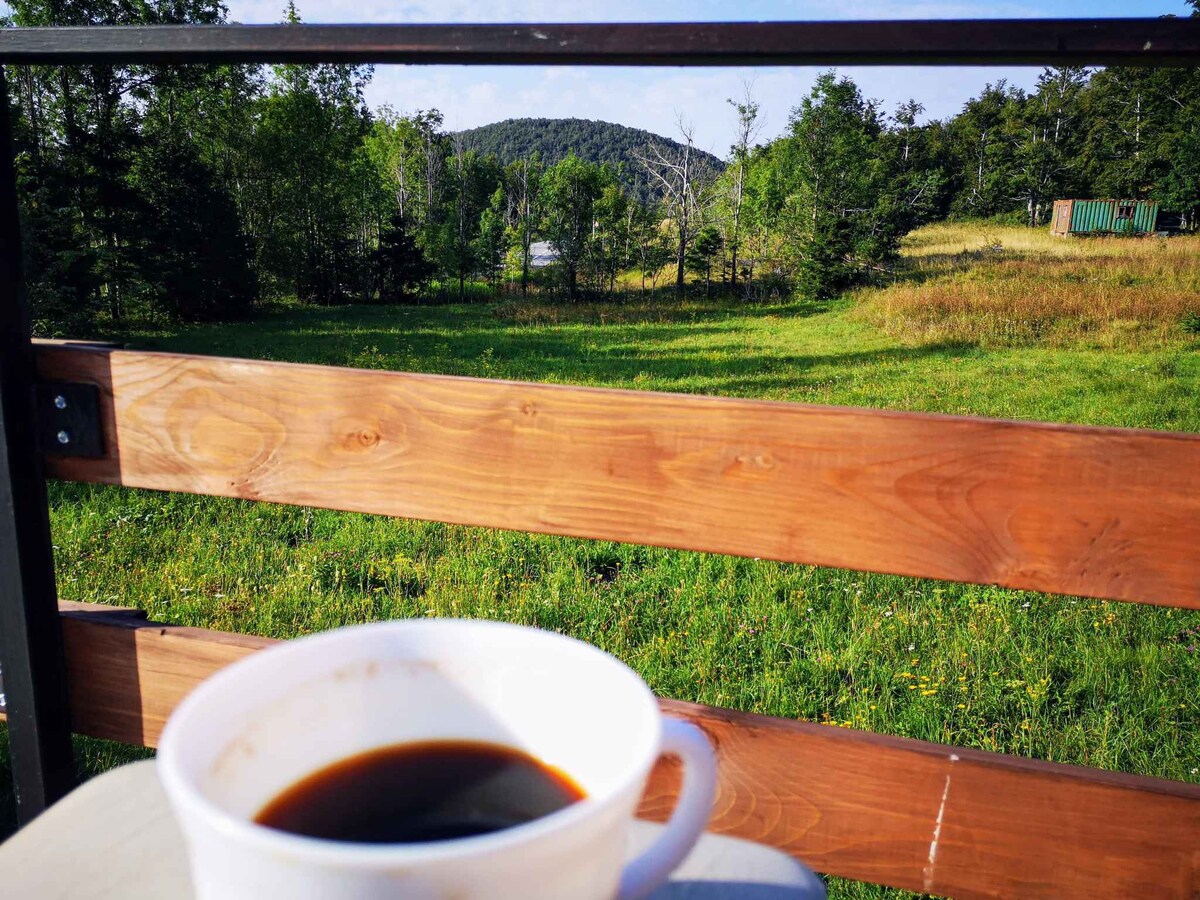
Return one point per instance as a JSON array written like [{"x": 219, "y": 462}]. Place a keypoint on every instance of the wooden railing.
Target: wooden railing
[
  {"x": 895, "y": 811},
  {"x": 1107, "y": 512}
]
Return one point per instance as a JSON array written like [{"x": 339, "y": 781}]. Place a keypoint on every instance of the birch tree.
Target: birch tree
[{"x": 748, "y": 129}]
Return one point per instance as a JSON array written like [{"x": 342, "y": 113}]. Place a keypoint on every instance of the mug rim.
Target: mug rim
[{"x": 186, "y": 795}]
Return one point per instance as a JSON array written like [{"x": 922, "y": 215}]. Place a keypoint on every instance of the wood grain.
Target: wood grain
[
  {"x": 847, "y": 802},
  {"x": 1093, "y": 511},
  {"x": 868, "y": 806},
  {"x": 126, "y": 675}
]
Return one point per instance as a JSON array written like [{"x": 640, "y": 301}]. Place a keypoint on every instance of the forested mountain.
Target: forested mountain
[{"x": 593, "y": 141}]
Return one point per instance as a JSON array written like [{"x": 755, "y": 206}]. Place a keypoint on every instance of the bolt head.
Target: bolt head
[
  {"x": 64, "y": 437},
  {"x": 60, "y": 402}
]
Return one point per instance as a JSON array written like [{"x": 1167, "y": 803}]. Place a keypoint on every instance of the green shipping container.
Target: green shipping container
[{"x": 1104, "y": 217}]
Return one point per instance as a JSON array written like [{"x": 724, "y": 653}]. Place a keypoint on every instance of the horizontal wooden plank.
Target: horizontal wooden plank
[
  {"x": 1078, "y": 42},
  {"x": 944, "y": 820},
  {"x": 77, "y": 342},
  {"x": 1092, "y": 511},
  {"x": 950, "y": 821},
  {"x": 126, "y": 674}
]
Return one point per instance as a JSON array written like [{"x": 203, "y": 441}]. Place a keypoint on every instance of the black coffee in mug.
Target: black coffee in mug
[{"x": 418, "y": 792}]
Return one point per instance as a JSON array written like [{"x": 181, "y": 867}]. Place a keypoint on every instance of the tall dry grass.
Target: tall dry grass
[{"x": 995, "y": 285}]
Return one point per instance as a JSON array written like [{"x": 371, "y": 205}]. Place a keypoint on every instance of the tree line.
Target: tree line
[{"x": 193, "y": 193}]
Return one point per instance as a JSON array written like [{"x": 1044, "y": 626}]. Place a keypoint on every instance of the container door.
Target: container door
[{"x": 1062, "y": 218}]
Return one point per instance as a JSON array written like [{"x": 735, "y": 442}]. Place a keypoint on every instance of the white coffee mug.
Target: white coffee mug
[{"x": 259, "y": 726}]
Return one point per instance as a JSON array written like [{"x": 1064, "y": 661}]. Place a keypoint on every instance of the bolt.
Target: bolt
[
  {"x": 60, "y": 402},
  {"x": 64, "y": 437}
]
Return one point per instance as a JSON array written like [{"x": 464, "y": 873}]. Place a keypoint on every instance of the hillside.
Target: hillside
[{"x": 601, "y": 142}]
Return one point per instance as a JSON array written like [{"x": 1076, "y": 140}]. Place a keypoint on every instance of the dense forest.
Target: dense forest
[
  {"x": 195, "y": 193},
  {"x": 616, "y": 146}
]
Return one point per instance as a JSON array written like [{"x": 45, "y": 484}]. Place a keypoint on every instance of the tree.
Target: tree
[
  {"x": 308, "y": 144},
  {"x": 85, "y": 133},
  {"x": 913, "y": 188},
  {"x": 409, "y": 155},
  {"x": 833, "y": 184},
  {"x": 470, "y": 183},
  {"x": 570, "y": 190},
  {"x": 609, "y": 248},
  {"x": 826, "y": 265},
  {"x": 676, "y": 175},
  {"x": 490, "y": 241},
  {"x": 524, "y": 179},
  {"x": 650, "y": 249},
  {"x": 403, "y": 270},
  {"x": 984, "y": 152},
  {"x": 1136, "y": 119},
  {"x": 705, "y": 248},
  {"x": 1179, "y": 189},
  {"x": 747, "y": 130},
  {"x": 194, "y": 259},
  {"x": 906, "y": 117},
  {"x": 1044, "y": 133}
]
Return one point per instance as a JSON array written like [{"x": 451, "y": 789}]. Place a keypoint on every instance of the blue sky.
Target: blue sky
[{"x": 652, "y": 98}]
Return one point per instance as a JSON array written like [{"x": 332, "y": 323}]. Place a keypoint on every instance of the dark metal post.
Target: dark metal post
[{"x": 31, "y": 652}]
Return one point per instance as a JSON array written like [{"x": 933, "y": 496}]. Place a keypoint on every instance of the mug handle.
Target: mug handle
[{"x": 691, "y": 814}]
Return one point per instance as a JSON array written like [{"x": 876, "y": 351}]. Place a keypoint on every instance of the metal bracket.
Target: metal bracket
[{"x": 68, "y": 418}]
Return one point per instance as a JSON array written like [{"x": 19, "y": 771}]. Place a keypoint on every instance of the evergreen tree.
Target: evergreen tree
[
  {"x": 835, "y": 187},
  {"x": 190, "y": 249},
  {"x": 402, "y": 267},
  {"x": 704, "y": 250}
]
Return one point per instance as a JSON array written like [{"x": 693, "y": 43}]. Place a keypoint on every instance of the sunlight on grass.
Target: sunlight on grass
[
  {"x": 997, "y": 285},
  {"x": 1068, "y": 679}
]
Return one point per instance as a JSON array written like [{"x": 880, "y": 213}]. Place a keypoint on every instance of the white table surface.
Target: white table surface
[{"x": 115, "y": 838}]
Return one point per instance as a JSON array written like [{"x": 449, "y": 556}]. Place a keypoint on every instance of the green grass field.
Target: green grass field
[{"x": 1067, "y": 679}]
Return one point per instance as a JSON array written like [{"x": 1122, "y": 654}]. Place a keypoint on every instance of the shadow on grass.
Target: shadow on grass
[
  {"x": 918, "y": 270},
  {"x": 709, "y": 354}
]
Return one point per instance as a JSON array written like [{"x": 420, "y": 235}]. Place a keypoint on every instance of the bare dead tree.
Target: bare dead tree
[{"x": 674, "y": 171}]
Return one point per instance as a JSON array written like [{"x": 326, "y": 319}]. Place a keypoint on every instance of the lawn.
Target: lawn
[{"x": 1068, "y": 679}]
